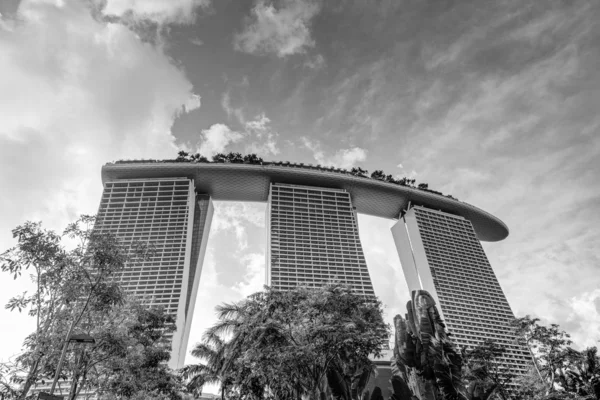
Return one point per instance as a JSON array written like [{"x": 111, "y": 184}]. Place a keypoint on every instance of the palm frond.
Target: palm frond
[
  {"x": 220, "y": 329},
  {"x": 211, "y": 338},
  {"x": 227, "y": 311},
  {"x": 190, "y": 371},
  {"x": 203, "y": 351}
]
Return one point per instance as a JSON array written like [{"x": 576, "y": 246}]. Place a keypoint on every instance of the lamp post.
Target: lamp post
[{"x": 74, "y": 338}]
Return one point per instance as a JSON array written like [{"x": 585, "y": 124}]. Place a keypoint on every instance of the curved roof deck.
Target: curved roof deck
[{"x": 250, "y": 182}]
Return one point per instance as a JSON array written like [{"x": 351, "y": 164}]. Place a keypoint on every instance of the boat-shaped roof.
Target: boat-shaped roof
[{"x": 251, "y": 182}]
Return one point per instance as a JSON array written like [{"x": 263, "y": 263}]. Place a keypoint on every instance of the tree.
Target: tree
[
  {"x": 252, "y": 159},
  {"x": 357, "y": 171},
  {"x": 378, "y": 174},
  {"x": 199, "y": 158},
  {"x": 288, "y": 344},
  {"x": 549, "y": 346},
  {"x": 137, "y": 354},
  {"x": 71, "y": 288},
  {"x": 481, "y": 369},
  {"x": 182, "y": 156},
  {"x": 212, "y": 354},
  {"x": 220, "y": 158},
  {"x": 583, "y": 375},
  {"x": 235, "y": 157}
]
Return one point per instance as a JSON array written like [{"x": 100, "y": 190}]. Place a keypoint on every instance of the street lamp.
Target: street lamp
[{"x": 73, "y": 338}]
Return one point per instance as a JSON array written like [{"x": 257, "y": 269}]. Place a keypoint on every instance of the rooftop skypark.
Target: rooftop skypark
[
  {"x": 234, "y": 177},
  {"x": 238, "y": 158}
]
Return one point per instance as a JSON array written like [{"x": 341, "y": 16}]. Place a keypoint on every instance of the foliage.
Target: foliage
[
  {"x": 287, "y": 344},
  {"x": 212, "y": 353},
  {"x": 425, "y": 360},
  {"x": 482, "y": 372},
  {"x": 583, "y": 375},
  {"x": 139, "y": 364},
  {"x": 427, "y": 366},
  {"x": 549, "y": 346},
  {"x": 73, "y": 289},
  {"x": 561, "y": 372}
]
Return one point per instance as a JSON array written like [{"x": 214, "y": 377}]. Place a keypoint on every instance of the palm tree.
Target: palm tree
[
  {"x": 583, "y": 377},
  {"x": 218, "y": 354},
  {"x": 198, "y": 375}
]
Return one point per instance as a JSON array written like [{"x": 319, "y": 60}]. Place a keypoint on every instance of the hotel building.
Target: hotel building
[
  {"x": 312, "y": 238},
  {"x": 169, "y": 215},
  {"x": 440, "y": 253}
]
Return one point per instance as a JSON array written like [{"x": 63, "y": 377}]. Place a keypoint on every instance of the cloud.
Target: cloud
[
  {"x": 265, "y": 139},
  {"x": 317, "y": 62},
  {"x": 585, "y": 316},
  {"x": 254, "y": 278},
  {"x": 230, "y": 110},
  {"x": 196, "y": 41},
  {"x": 283, "y": 30},
  {"x": 234, "y": 217},
  {"x": 257, "y": 137},
  {"x": 193, "y": 103},
  {"x": 343, "y": 158},
  {"x": 81, "y": 92},
  {"x": 158, "y": 11},
  {"x": 216, "y": 138}
]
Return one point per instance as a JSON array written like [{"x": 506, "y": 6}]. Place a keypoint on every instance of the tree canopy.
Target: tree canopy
[
  {"x": 560, "y": 371},
  {"x": 299, "y": 342},
  {"x": 76, "y": 292}
]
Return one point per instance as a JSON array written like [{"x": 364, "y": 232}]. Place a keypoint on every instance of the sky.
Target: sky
[{"x": 495, "y": 102}]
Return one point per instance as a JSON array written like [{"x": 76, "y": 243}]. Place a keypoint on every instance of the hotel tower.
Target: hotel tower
[
  {"x": 168, "y": 214},
  {"x": 313, "y": 239},
  {"x": 440, "y": 253}
]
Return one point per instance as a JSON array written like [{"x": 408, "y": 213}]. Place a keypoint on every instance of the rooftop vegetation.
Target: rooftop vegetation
[{"x": 238, "y": 158}]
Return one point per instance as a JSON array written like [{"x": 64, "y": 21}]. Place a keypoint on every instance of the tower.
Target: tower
[
  {"x": 167, "y": 214},
  {"x": 313, "y": 239},
  {"x": 440, "y": 253}
]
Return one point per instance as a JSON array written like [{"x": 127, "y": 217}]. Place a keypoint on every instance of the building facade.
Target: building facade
[
  {"x": 440, "y": 253},
  {"x": 167, "y": 214},
  {"x": 313, "y": 239}
]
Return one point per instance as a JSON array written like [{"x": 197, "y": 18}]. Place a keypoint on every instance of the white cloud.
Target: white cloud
[
  {"x": 81, "y": 92},
  {"x": 283, "y": 30},
  {"x": 158, "y": 11},
  {"x": 343, "y": 158},
  {"x": 230, "y": 110},
  {"x": 264, "y": 137},
  {"x": 216, "y": 138},
  {"x": 347, "y": 158},
  {"x": 5, "y": 24},
  {"x": 257, "y": 137},
  {"x": 236, "y": 217},
  {"x": 586, "y": 310},
  {"x": 317, "y": 62},
  {"x": 192, "y": 103},
  {"x": 254, "y": 278},
  {"x": 196, "y": 41}
]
